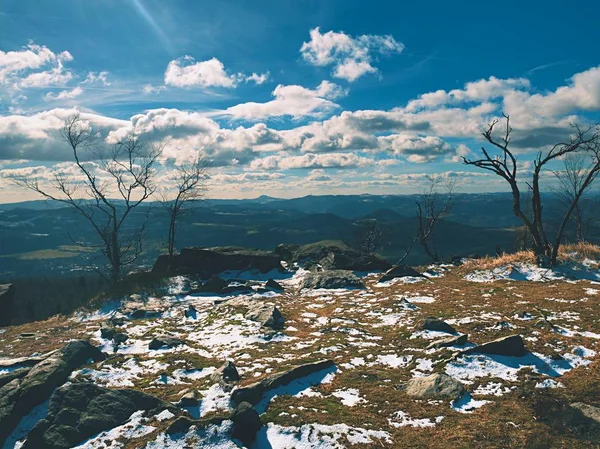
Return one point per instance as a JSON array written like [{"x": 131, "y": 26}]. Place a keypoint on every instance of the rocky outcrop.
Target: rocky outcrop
[
  {"x": 19, "y": 396},
  {"x": 227, "y": 375},
  {"x": 208, "y": 262},
  {"x": 8, "y": 294},
  {"x": 435, "y": 324},
  {"x": 273, "y": 285},
  {"x": 165, "y": 342},
  {"x": 246, "y": 423},
  {"x": 267, "y": 315},
  {"x": 331, "y": 279},
  {"x": 79, "y": 411},
  {"x": 589, "y": 411},
  {"x": 449, "y": 341},
  {"x": 253, "y": 393},
  {"x": 400, "y": 271},
  {"x": 511, "y": 346},
  {"x": 435, "y": 386},
  {"x": 330, "y": 255}
]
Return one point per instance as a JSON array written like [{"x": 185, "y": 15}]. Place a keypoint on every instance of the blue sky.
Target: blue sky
[{"x": 296, "y": 97}]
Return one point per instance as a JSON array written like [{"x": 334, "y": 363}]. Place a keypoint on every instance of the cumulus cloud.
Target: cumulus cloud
[
  {"x": 311, "y": 160},
  {"x": 258, "y": 78},
  {"x": 14, "y": 65},
  {"x": 64, "y": 94},
  {"x": 351, "y": 57},
  {"x": 293, "y": 101},
  {"x": 100, "y": 78}
]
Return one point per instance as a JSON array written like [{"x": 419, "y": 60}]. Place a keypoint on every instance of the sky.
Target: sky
[{"x": 292, "y": 97}]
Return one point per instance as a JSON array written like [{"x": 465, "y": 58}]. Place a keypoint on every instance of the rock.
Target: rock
[
  {"x": 19, "y": 396},
  {"x": 164, "y": 341},
  {"x": 136, "y": 297},
  {"x": 435, "y": 386},
  {"x": 213, "y": 285},
  {"x": 254, "y": 392},
  {"x": 8, "y": 294},
  {"x": 435, "y": 324},
  {"x": 589, "y": 411},
  {"x": 512, "y": 346},
  {"x": 189, "y": 399},
  {"x": 400, "y": 271},
  {"x": 117, "y": 320},
  {"x": 120, "y": 337},
  {"x": 137, "y": 314},
  {"x": 272, "y": 284},
  {"x": 14, "y": 374},
  {"x": 449, "y": 341},
  {"x": 190, "y": 312},
  {"x": 211, "y": 261},
  {"x": 266, "y": 314},
  {"x": 330, "y": 255},
  {"x": 331, "y": 279},
  {"x": 78, "y": 411},
  {"x": 180, "y": 425},
  {"x": 226, "y": 375},
  {"x": 246, "y": 423},
  {"x": 107, "y": 332}
]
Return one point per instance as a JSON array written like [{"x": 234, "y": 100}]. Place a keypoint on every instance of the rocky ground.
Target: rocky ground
[{"x": 460, "y": 357}]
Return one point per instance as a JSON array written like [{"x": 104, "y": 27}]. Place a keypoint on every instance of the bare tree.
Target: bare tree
[
  {"x": 571, "y": 180},
  {"x": 431, "y": 206},
  {"x": 189, "y": 187},
  {"x": 505, "y": 165},
  {"x": 106, "y": 190},
  {"x": 371, "y": 237}
]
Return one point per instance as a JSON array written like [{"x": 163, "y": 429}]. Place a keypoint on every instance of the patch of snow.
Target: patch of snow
[
  {"x": 134, "y": 428},
  {"x": 25, "y": 425},
  {"x": 393, "y": 360},
  {"x": 349, "y": 397},
  {"x": 402, "y": 419},
  {"x": 466, "y": 404}
]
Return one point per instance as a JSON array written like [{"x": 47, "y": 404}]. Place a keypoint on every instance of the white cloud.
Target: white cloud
[
  {"x": 97, "y": 78},
  {"x": 310, "y": 160},
  {"x": 293, "y": 101},
  {"x": 184, "y": 72},
  {"x": 64, "y": 94},
  {"x": 149, "y": 89},
  {"x": 318, "y": 174},
  {"x": 258, "y": 78},
  {"x": 14, "y": 63},
  {"x": 351, "y": 57}
]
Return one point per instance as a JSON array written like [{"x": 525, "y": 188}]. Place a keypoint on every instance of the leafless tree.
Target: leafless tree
[
  {"x": 105, "y": 190},
  {"x": 431, "y": 206},
  {"x": 505, "y": 165},
  {"x": 570, "y": 181},
  {"x": 371, "y": 237},
  {"x": 189, "y": 187}
]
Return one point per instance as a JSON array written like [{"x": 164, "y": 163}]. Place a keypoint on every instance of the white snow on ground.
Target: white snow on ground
[
  {"x": 25, "y": 425},
  {"x": 549, "y": 383},
  {"x": 530, "y": 272},
  {"x": 212, "y": 437},
  {"x": 214, "y": 399},
  {"x": 420, "y": 299},
  {"x": 349, "y": 397},
  {"x": 466, "y": 404},
  {"x": 103, "y": 313},
  {"x": 402, "y": 280},
  {"x": 317, "y": 436},
  {"x": 492, "y": 389},
  {"x": 591, "y": 291},
  {"x": 393, "y": 360},
  {"x": 134, "y": 428},
  {"x": 430, "y": 335},
  {"x": 401, "y": 419},
  {"x": 121, "y": 376}
]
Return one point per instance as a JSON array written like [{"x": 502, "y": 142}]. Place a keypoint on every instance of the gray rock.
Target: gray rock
[
  {"x": 435, "y": 386},
  {"x": 227, "y": 375},
  {"x": 332, "y": 279},
  {"x": 449, "y": 341},
  {"x": 435, "y": 324},
  {"x": 266, "y": 314},
  {"x": 79, "y": 411},
  {"x": 512, "y": 346},
  {"x": 272, "y": 284},
  {"x": 107, "y": 332},
  {"x": 19, "y": 396},
  {"x": 254, "y": 392},
  {"x": 189, "y": 399},
  {"x": 120, "y": 337},
  {"x": 190, "y": 312},
  {"x": 400, "y": 271},
  {"x": 14, "y": 374},
  {"x": 213, "y": 285},
  {"x": 164, "y": 341},
  {"x": 246, "y": 423},
  {"x": 180, "y": 425},
  {"x": 589, "y": 411}
]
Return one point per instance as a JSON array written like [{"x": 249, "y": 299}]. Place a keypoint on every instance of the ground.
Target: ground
[{"x": 373, "y": 337}]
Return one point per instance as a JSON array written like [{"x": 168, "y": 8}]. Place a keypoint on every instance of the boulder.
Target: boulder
[
  {"x": 589, "y": 411},
  {"x": 190, "y": 312},
  {"x": 211, "y": 261},
  {"x": 107, "y": 332},
  {"x": 246, "y": 423},
  {"x": 330, "y": 255},
  {"x": 400, "y": 271},
  {"x": 272, "y": 284},
  {"x": 253, "y": 393},
  {"x": 214, "y": 285},
  {"x": 164, "y": 341},
  {"x": 434, "y": 386},
  {"x": 180, "y": 425},
  {"x": 512, "y": 346},
  {"x": 331, "y": 279},
  {"x": 266, "y": 314},
  {"x": 435, "y": 324},
  {"x": 19, "y": 396},
  {"x": 8, "y": 294},
  {"x": 78, "y": 411},
  {"x": 189, "y": 399},
  {"x": 227, "y": 375},
  {"x": 13, "y": 374},
  {"x": 449, "y": 341},
  {"x": 120, "y": 337}
]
